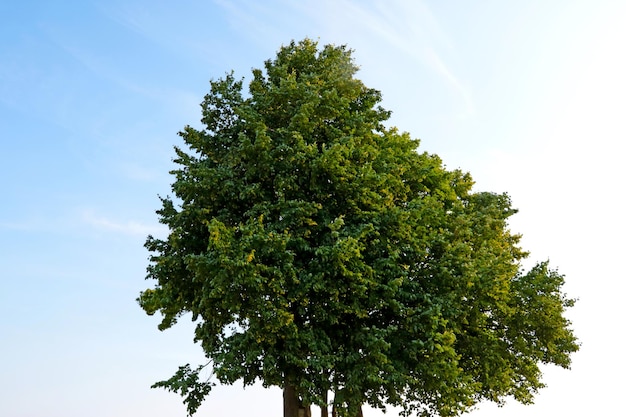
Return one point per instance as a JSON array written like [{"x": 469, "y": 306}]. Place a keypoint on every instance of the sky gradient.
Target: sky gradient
[{"x": 529, "y": 97}]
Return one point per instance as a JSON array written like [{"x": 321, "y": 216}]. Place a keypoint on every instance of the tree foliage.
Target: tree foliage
[{"x": 318, "y": 250}]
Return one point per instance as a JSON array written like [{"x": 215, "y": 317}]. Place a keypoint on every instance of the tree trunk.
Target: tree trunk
[
  {"x": 324, "y": 408},
  {"x": 290, "y": 401},
  {"x": 292, "y": 405},
  {"x": 334, "y": 412}
]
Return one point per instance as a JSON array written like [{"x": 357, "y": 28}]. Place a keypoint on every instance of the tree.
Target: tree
[{"x": 318, "y": 251}]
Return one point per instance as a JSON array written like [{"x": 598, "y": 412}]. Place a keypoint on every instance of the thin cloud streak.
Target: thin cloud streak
[
  {"x": 128, "y": 227},
  {"x": 412, "y": 29},
  {"x": 404, "y": 30}
]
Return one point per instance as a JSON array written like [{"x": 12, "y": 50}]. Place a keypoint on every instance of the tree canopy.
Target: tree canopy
[{"x": 319, "y": 250}]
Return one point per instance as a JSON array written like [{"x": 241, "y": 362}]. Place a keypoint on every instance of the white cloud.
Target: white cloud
[
  {"x": 127, "y": 227},
  {"x": 22, "y": 226},
  {"x": 406, "y": 30},
  {"x": 389, "y": 36}
]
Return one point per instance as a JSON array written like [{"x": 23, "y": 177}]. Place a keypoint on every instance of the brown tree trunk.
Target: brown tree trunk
[
  {"x": 360, "y": 413},
  {"x": 292, "y": 405},
  {"x": 290, "y": 401},
  {"x": 324, "y": 412}
]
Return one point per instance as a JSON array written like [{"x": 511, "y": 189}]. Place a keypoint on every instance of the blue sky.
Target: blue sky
[{"x": 528, "y": 96}]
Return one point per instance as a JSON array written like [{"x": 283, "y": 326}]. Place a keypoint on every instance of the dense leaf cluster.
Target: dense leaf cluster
[{"x": 318, "y": 249}]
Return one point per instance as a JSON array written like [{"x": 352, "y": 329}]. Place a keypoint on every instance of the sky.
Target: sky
[{"x": 529, "y": 97}]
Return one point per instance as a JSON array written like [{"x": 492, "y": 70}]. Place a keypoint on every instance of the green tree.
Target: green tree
[{"x": 318, "y": 251}]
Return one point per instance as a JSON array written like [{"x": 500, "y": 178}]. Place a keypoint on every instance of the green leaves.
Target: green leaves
[
  {"x": 318, "y": 250},
  {"x": 187, "y": 383}
]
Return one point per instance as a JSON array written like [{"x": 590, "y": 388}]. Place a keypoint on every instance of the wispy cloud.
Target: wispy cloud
[
  {"x": 22, "y": 226},
  {"x": 412, "y": 29},
  {"x": 194, "y": 40},
  {"x": 382, "y": 32},
  {"x": 126, "y": 227},
  {"x": 436, "y": 62},
  {"x": 82, "y": 220}
]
